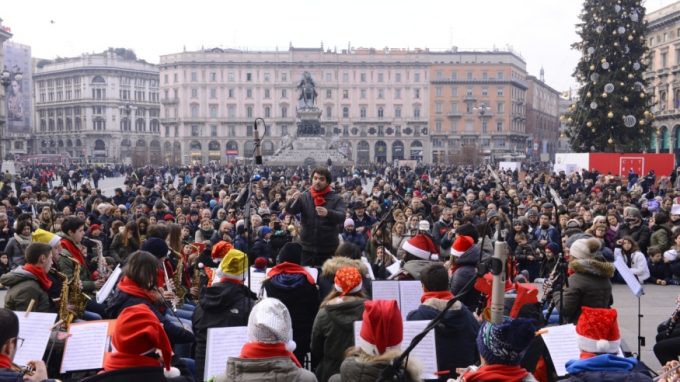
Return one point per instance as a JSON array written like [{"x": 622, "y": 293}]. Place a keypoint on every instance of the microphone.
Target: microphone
[
  {"x": 258, "y": 151},
  {"x": 498, "y": 260}
]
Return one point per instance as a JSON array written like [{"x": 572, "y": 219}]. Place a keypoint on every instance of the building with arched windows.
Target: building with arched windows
[{"x": 98, "y": 108}]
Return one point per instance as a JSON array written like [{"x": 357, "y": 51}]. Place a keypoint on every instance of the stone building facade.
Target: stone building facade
[{"x": 98, "y": 108}]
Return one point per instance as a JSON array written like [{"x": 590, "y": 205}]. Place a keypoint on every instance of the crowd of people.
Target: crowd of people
[{"x": 189, "y": 241}]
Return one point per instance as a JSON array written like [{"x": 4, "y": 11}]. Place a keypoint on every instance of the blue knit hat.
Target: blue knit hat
[
  {"x": 155, "y": 246},
  {"x": 505, "y": 343}
]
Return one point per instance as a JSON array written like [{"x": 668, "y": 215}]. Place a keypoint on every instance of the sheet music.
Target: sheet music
[
  {"x": 368, "y": 265},
  {"x": 562, "y": 345},
  {"x": 221, "y": 344},
  {"x": 109, "y": 285},
  {"x": 314, "y": 272},
  {"x": 426, "y": 351},
  {"x": 410, "y": 292},
  {"x": 386, "y": 290},
  {"x": 85, "y": 348},
  {"x": 256, "y": 279},
  {"x": 35, "y": 330},
  {"x": 628, "y": 276},
  {"x": 395, "y": 267}
]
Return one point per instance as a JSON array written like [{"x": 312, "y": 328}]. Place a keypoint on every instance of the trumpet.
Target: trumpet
[{"x": 28, "y": 370}]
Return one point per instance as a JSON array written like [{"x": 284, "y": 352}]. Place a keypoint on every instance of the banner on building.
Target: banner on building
[{"x": 18, "y": 93}]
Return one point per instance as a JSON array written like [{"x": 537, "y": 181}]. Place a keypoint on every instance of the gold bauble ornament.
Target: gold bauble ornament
[
  {"x": 604, "y": 95},
  {"x": 610, "y": 115},
  {"x": 588, "y": 95},
  {"x": 642, "y": 122},
  {"x": 589, "y": 124},
  {"x": 625, "y": 99},
  {"x": 603, "y": 60},
  {"x": 630, "y": 37},
  {"x": 630, "y": 76},
  {"x": 593, "y": 130},
  {"x": 647, "y": 113},
  {"x": 570, "y": 120},
  {"x": 642, "y": 95},
  {"x": 610, "y": 141}
]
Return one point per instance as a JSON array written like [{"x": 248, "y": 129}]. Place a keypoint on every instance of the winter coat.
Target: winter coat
[
  {"x": 333, "y": 334},
  {"x": 326, "y": 279},
  {"x": 641, "y": 234},
  {"x": 607, "y": 368},
  {"x": 273, "y": 369},
  {"x": 302, "y": 300},
  {"x": 658, "y": 271},
  {"x": 588, "y": 286},
  {"x": 24, "y": 287},
  {"x": 15, "y": 252},
  {"x": 7, "y": 375},
  {"x": 411, "y": 270},
  {"x": 5, "y": 237},
  {"x": 221, "y": 305},
  {"x": 261, "y": 248},
  {"x": 123, "y": 251},
  {"x": 661, "y": 237},
  {"x": 67, "y": 266},
  {"x": 637, "y": 263},
  {"x": 466, "y": 269},
  {"x": 318, "y": 234},
  {"x": 362, "y": 368},
  {"x": 355, "y": 238},
  {"x": 457, "y": 330},
  {"x": 121, "y": 300},
  {"x": 135, "y": 374}
]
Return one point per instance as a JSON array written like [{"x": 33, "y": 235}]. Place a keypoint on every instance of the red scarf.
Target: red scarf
[
  {"x": 118, "y": 361},
  {"x": 258, "y": 350},
  {"x": 39, "y": 273},
  {"x": 442, "y": 295},
  {"x": 5, "y": 362},
  {"x": 319, "y": 197},
  {"x": 74, "y": 250},
  {"x": 290, "y": 268},
  {"x": 130, "y": 287},
  {"x": 491, "y": 373},
  {"x": 229, "y": 280}
]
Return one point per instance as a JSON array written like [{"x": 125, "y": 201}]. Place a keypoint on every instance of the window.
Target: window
[
  {"x": 485, "y": 76},
  {"x": 194, "y": 93},
  {"x": 267, "y": 112},
  {"x": 230, "y": 76},
  {"x": 284, "y": 130},
  {"x": 499, "y": 126},
  {"x": 329, "y": 111},
  {"x": 362, "y": 77},
  {"x": 677, "y": 55},
  {"x": 284, "y": 112},
  {"x": 439, "y": 75},
  {"x": 249, "y": 112},
  {"x": 249, "y": 93},
  {"x": 362, "y": 94},
  {"x": 213, "y": 77},
  {"x": 362, "y": 112},
  {"x": 397, "y": 112},
  {"x": 397, "y": 77},
  {"x": 499, "y": 75},
  {"x": 416, "y": 112},
  {"x": 213, "y": 130},
  {"x": 194, "y": 77},
  {"x": 174, "y": 78},
  {"x": 664, "y": 60},
  {"x": 381, "y": 77},
  {"x": 381, "y": 112},
  {"x": 469, "y": 76},
  {"x": 416, "y": 93},
  {"x": 397, "y": 93},
  {"x": 195, "y": 131},
  {"x": 329, "y": 77},
  {"x": 267, "y": 94},
  {"x": 454, "y": 107},
  {"x": 329, "y": 93},
  {"x": 249, "y": 77},
  {"x": 454, "y": 91},
  {"x": 165, "y": 78},
  {"x": 284, "y": 93},
  {"x": 345, "y": 112},
  {"x": 501, "y": 108},
  {"x": 194, "y": 110},
  {"x": 345, "y": 77},
  {"x": 381, "y": 93},
  {"x": 485, "y": 91},
  {"x": 454, "y": 75},
  {"x": 345, "y": 94},
  {"x": 284, "y": 76},
  {"x": 438, "y": 126},
  {"x": 212, "y": 109},
  {"x": 468, "y": 91},
  {"x": 438, "y": 91},
  {"x": 438, "y": 107},
  {"x": 266, "y": 77},
  {"x": 231, "y": 111},
  {"x": 485, "y": 126},
  {"x": 500, "y": 91},
  {"x": 231, "y": 129},
  {"x": 213, "y": 93}
]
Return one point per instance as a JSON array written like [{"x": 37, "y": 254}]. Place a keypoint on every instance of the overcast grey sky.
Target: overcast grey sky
[{"x": 540, "y": 30}]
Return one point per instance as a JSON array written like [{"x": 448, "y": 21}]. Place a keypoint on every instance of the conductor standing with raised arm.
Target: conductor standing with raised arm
[{"x": 322, "y": 211}]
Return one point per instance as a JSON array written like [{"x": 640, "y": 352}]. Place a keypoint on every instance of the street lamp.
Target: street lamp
[
  {"x": 482, "y": 108},
  {"x": 7, "y": 78}
]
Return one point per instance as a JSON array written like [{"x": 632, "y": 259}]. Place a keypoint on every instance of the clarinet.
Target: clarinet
[
  {"x": 673, "y": 321},
  {"x": 549, "y": 284}
]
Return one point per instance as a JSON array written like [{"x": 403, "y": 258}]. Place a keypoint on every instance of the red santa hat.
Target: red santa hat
[
  {"x": 598, "y": 331},
  {"x": 461, "y": 245},
  {"x": 421, "y": 246},
  {"x": 382, "y": 328}
]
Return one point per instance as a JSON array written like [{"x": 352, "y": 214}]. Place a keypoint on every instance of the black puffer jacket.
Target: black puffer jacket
[
  {"x": 588, "y": 286},
  {"x": 319, "y": 234},
  {"x": 221, "y": 305}
]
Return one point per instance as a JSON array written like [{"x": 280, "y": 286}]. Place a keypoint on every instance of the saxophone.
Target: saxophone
[
  {"x": 180, "y": 291},
  {"x": 72, "y": 300},
  {"x": 102, "y": 268}
]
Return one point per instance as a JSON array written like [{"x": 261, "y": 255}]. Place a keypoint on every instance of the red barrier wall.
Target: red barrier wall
[{"x": 621, "y": 163}]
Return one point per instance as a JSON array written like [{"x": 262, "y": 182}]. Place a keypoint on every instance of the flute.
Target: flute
[{"x": 169, "y": 288}]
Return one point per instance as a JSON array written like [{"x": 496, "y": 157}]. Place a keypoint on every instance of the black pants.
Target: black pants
[
  {"x": 315, "y": 259},
  {"x": 667, "y": 350}
]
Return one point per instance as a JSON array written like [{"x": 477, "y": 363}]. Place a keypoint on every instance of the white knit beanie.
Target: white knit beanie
[
  {"x": 270, "y": 323},
  {"x": 584, "y": 248}
]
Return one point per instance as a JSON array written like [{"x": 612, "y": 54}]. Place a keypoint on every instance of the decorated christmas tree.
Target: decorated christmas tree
[{"x": 611, "y": 112}]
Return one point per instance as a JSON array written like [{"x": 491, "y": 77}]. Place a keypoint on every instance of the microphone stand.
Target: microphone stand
[{"x": 246, "y": 209}]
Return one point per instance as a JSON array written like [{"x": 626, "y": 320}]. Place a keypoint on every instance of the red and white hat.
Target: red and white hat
[
  {"x": 382, "y": 328},
  {"x": 598, "y": 331},
  {"x": 421, "y": 246},
  {"x": 461, "y": 245}
]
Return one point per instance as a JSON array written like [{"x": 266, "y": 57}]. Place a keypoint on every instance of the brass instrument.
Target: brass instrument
[
  {"x": 28, "y": 370},
  {"x": 196, "y": 279},
  {"x": 102, "y": 267},
  {"x": 169, "y": 288},
  {"x": 180, "y": 291},
  {"x": 72, "y": 300}
]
